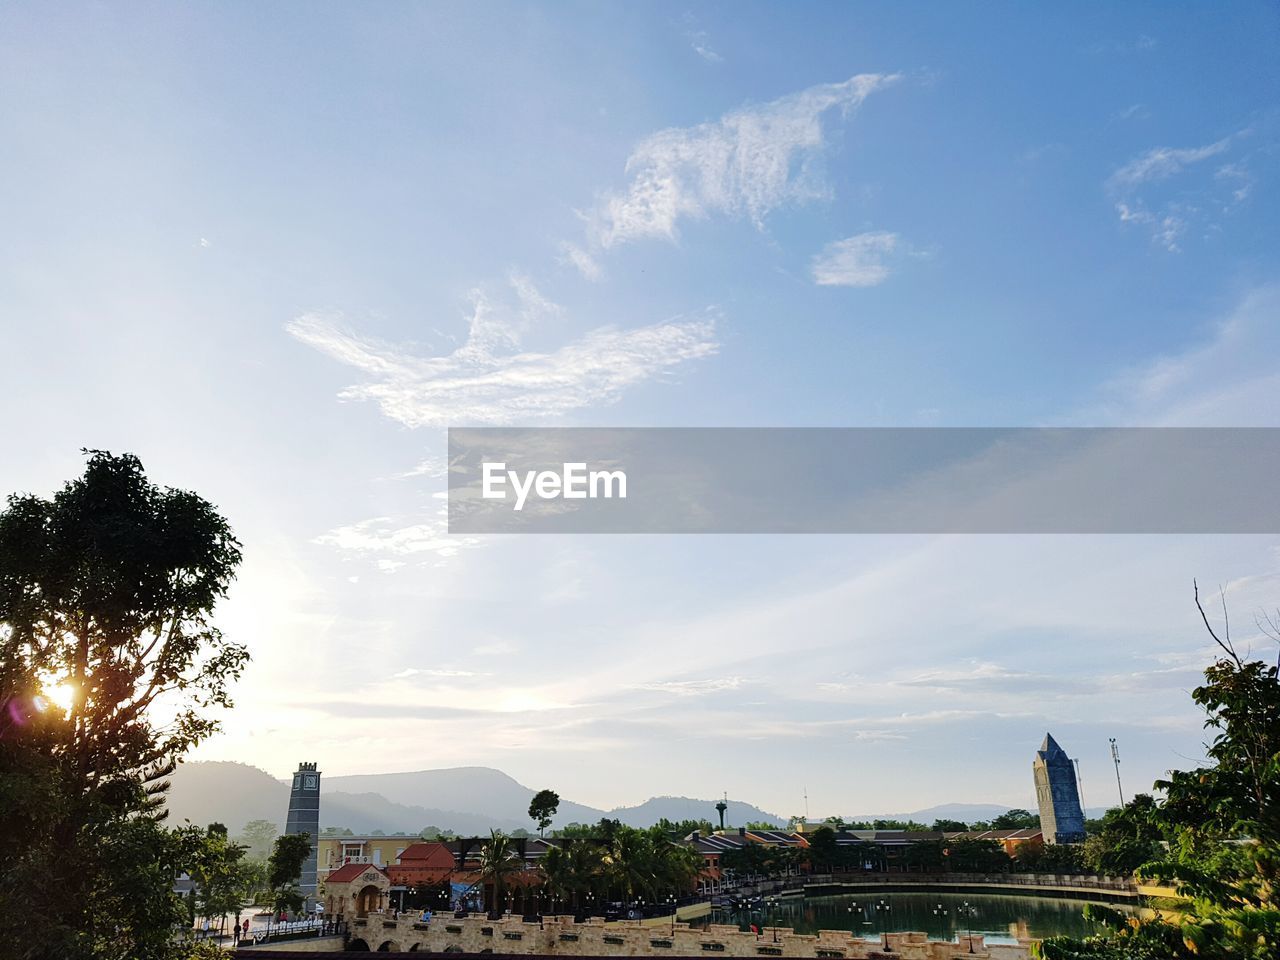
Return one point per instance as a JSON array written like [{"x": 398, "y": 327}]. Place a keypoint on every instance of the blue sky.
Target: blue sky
[{"x": 275, "y": 251}]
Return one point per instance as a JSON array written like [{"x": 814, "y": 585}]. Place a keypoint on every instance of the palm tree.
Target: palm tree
[
  {"x": 555, "y": 870},
  {"x": 585, "y": 864},
  {"x": 499, "y": 860}
]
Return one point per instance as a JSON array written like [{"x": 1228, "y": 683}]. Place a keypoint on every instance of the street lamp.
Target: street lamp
[
  {"x": 771, "y": 901},
  {"x": 882, "y": 910},
  {"x": 968, "y": 912},
  {"x": 671, "y": 902}
]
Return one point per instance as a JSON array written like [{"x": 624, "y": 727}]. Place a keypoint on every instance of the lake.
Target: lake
[{"x": 1002, "y": 919}]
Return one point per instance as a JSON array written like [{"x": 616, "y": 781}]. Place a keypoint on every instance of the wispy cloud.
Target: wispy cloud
[
  {"x": 746, "y": 164},
  {"x": 1162, "y": 162},
  {"x": 488, "y": 380},
  {"x": 394, "y": 540},
  {"x": 856, "y": 261},
  {"x": 1135, "y": 189}
]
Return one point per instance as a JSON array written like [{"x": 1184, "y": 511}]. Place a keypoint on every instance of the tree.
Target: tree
[
  {"x": 106, "y": 594},
  {"x": 1016, "y": 819},
  {"x": 258, "y": 836},
  {"x": 543, "y": 807},
  {"x": 220, "y": 873},
  {"x": 284, "y": 870},
  {"x": 950, "y": 826},
  {"x": 1129, "y": 837},
  {"x": 499, "y": 860},
  {"x": 1220, "y": 825}
]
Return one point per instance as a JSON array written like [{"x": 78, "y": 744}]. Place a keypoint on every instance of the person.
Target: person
[
  {"x": 246, "y": 928},
  {"x": 205, "y": 928},
  {"x": 235, "y": 934}
]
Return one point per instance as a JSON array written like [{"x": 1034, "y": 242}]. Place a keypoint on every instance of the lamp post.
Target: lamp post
[
  {"x": 671, "y": 902},
  {"x": 968, "y": 912},
  {"x": 772, "y": 901},
  {"x": 882, "y": 910}
]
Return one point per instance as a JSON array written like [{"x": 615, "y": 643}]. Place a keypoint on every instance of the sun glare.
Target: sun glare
[{"x": 59, "y": 694}]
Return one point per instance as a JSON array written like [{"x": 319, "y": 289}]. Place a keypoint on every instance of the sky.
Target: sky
[{"x": 276, "y": 251}]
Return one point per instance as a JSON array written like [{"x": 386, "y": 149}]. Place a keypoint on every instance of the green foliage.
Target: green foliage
[
  {"x": 886, "y": 825},
  {"x": 1016, "y": 819},
  {"x": 284, "y": 870},
  {"x": 331, "y": 831},
  {"x": 222, "y": 876},
  {"x": 1060, "y": 858},
  {"x": 976, "y": 856},
  {"x": 679, "y": 829},
  {"x": 257, "y": 838},
  {"x": 1220, "y": 827},
  {"x": 949, "y": 826},
  {"x": 1127, "y": 837},
  {"x": 543, "y": 807},
  {"x": 499, "y": 859},
  {"x": 106, "y": 591}
]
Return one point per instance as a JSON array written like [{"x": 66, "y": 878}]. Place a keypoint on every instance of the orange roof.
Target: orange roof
[
  {"x": 435, "y": 855},
  {"x": 349, "y": 871}
]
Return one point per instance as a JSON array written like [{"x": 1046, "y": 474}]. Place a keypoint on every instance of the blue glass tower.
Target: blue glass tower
[{"x": 1061, "y": 819}]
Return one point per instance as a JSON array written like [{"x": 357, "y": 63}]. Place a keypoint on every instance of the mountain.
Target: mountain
[
  {"x": 469, "y": 800},
  {"x": 481, "y": 791},
  {"x": 684, "y": 808}
]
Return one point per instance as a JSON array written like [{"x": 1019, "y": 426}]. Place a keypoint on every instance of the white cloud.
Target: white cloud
[
  {"x": 747, "y": 163},
  {"x": 586, "y": 264},
  {"x": 384, "y": 535},
  {"x": 488, "y": 381},
  {"x": 1163, "y": 162},
  {"x": 1156, "y": 189},
  {"x": 1229, "y": 380},
  {"x": 856, "y": 261}
]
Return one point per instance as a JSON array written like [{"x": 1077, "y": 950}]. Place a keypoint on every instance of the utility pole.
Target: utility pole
[
  {"x": 1080, "y": 789},
  {"x": 1115, "y": 756}
]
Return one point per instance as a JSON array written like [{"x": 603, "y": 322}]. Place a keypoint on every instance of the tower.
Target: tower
[
  {"x": 1061, "y": 819},
  {"x": 721, "y": 807},
  {"x": 304, "y": 817}
]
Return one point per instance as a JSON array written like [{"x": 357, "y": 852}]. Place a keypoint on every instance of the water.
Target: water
[{"x": 1002, "y": 919}]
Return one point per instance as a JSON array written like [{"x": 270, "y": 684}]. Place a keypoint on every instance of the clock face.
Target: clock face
[{"x": 311, "y": 782}]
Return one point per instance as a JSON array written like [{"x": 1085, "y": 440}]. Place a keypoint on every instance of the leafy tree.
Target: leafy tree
[
  {"x": 543, "y": 807},
  {"x": 499, "y": 860},
  {"x": 1016, "y": 819},
  {"x": 925, "y": 856},
  {"x": 258, "y": 836},
  {"x": 762, "y": 825},
  {"x": 106, "y": 594},
  {"x": 950, "y": 826},
  {"x": 284, "y": 870},
  {"x": 221, "y": 875},
  {"x": 679, "y": 829},
  {"x": 1221, "y": 824},
  {"x": 1128, "y": 838},
  {"x": 976, "y": 856}
]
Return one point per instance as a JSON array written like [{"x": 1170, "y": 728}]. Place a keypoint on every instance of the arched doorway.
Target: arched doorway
[
  {"x": 389, "y": 946},
  {"x": 367, "y": 901},
  {"x": 357, "y": 946}
]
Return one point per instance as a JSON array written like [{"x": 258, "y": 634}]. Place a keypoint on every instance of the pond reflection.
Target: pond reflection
[{"x": 940, "y": 915}]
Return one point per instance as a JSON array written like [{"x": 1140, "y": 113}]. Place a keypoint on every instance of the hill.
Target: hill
[{"x": 470, "y": 800}]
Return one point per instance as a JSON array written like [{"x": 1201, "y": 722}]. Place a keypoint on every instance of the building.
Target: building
[
  {"x": 304, "y": 817},
  {"x": 1061, "y": 819},
  {"x": 379, "y": 851}
]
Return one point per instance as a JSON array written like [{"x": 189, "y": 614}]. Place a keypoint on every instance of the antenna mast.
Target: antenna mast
[{"x": 1115, "y": 757}]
